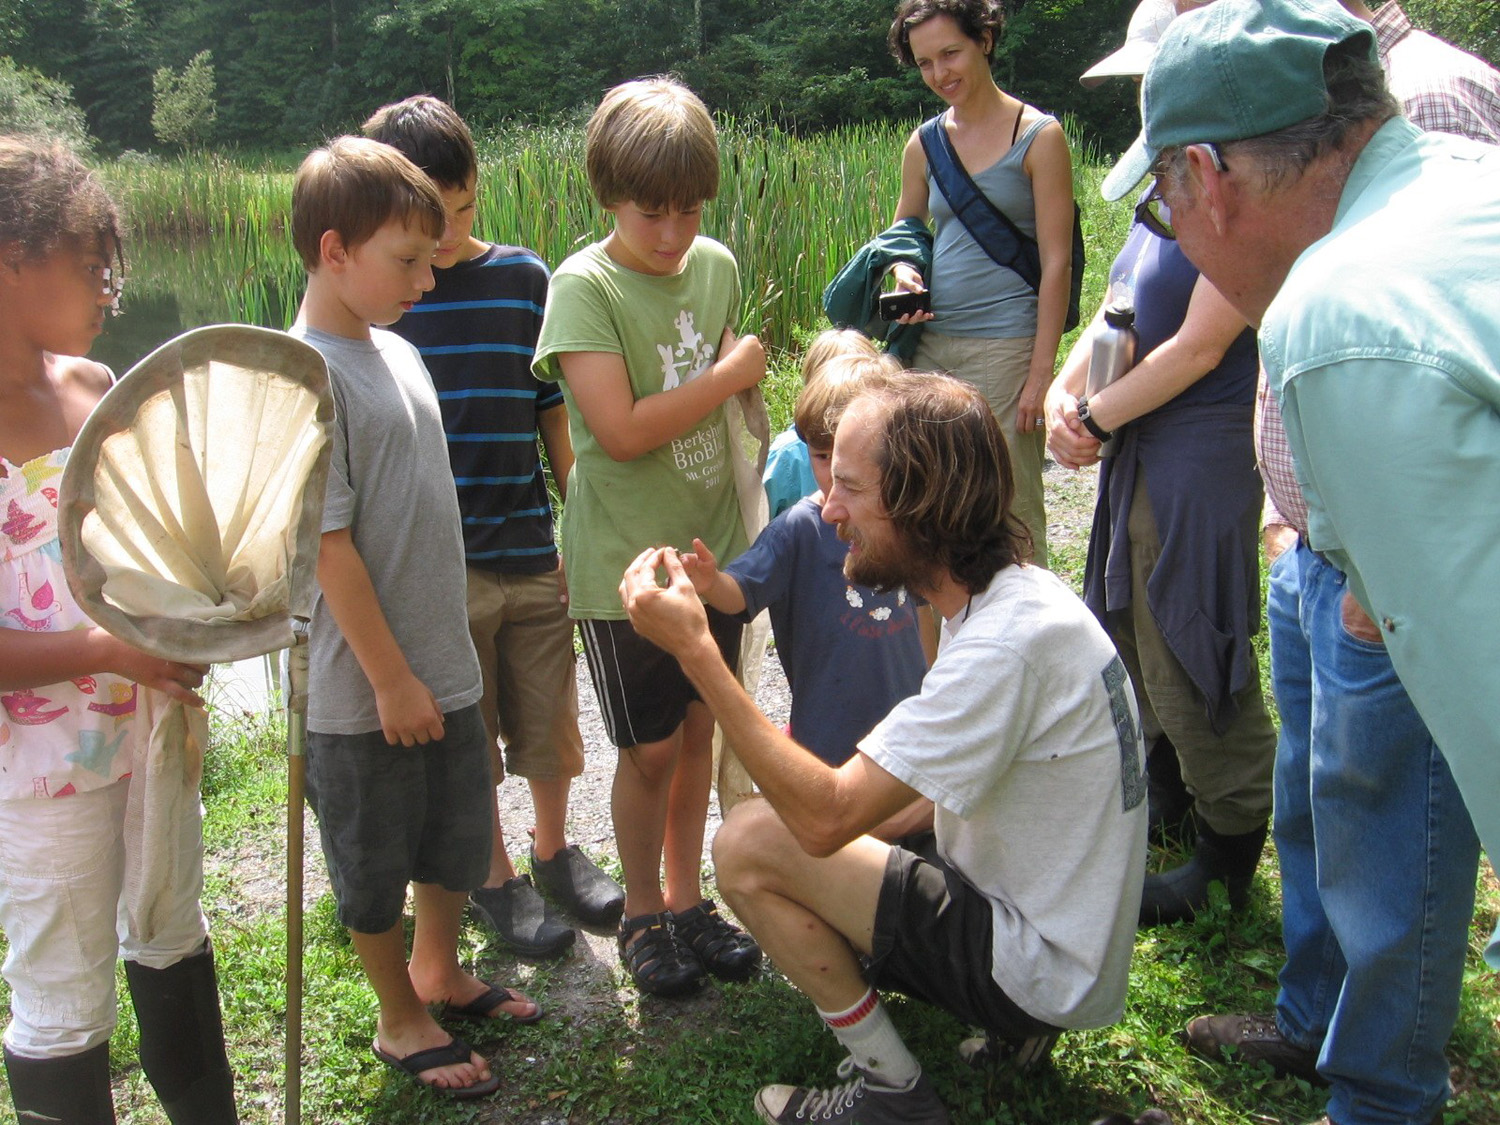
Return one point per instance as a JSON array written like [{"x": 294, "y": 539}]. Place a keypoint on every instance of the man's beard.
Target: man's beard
[{"x": 888, "y": 567}]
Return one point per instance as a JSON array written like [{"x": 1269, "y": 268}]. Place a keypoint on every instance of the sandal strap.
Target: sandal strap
[
  {"x": 707, "y": 934},
  {"x": 656, "y": 949},
  {"x": 629, "y": 926}
]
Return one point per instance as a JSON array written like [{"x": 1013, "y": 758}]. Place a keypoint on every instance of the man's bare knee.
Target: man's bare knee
[{"x": 749, "y": 845}]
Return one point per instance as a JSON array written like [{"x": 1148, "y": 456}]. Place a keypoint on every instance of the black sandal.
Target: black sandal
[
  {"x": 724, "y": 949},
  {"x": 658, "y": 962}
]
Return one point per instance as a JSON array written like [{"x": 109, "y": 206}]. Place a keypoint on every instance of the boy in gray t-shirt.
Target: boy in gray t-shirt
[{"x": 397, "y": 756}]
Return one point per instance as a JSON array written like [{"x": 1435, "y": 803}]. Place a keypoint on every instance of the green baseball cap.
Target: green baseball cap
[{"x": 1235, "y": 69}]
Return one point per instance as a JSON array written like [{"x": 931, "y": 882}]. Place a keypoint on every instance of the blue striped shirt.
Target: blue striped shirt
[{"x": 477, "y": 331}]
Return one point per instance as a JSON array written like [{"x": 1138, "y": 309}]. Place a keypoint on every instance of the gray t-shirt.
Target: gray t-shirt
[
  {"x": 1026, "y": 736},
  {"x": 390, "y": 484}
]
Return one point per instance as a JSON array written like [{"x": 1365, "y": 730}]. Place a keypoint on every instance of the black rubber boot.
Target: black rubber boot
[
  {"x": 1181, "y": 892},
  {"x": 182, "y": 1039},
  {"x": 1169, "y": 821},
  {"x": 72, "y": 1090}
]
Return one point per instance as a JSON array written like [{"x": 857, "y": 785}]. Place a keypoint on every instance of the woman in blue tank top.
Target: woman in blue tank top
[{"x": 988, "y": 326}]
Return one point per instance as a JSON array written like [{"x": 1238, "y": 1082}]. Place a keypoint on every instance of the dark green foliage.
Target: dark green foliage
[
  {"x": 292, "y": 73},
  {"x": 1472, "y": 24}
]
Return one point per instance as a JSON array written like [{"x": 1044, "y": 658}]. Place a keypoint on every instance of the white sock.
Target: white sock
[{"x": 866, "y": 1030}]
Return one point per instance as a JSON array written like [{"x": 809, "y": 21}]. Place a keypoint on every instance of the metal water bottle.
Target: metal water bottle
[{"x": 1113, "y": 354}]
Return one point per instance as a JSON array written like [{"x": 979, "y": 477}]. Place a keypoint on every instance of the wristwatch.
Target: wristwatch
[{"x": 1093, "y": 427}]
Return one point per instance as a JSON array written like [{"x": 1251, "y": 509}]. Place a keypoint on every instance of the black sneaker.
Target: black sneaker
[
  {"x": 857, "y": 1100},
  {"x": 577, "y": 883},
  {"x": 520, "y": 918}
]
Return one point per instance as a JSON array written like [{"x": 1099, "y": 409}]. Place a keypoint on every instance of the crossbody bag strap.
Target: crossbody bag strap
[{"x": 1006, "y": 244}]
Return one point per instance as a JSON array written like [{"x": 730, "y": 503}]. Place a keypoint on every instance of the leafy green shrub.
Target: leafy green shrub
[{"x": 34, "y": 105}]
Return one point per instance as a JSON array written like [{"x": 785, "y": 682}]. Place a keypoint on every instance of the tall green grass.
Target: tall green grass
[{"x": 792, "y": 208}]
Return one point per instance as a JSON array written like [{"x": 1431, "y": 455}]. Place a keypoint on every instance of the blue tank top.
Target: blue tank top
[{"x": 1162, "y": 279}]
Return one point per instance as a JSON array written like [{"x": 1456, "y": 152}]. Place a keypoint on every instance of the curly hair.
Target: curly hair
[
  {"x": 945, "y": 477},
  {"x": 974, "y": 18},
  {"x": 49, "y": 197}
]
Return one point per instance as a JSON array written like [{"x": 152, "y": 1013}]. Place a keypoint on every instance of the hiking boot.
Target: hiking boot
[
  {"x": 1178, "y": 894},
  {"x": 578, "y": 884},
  {"x": 1252, "y": 1039},
  {"x": 990, "y": 1049},
  {"x": 724, "y": 949},
  {"x": 857, "y": 1100},
  {"x": 521, "y": 918}
]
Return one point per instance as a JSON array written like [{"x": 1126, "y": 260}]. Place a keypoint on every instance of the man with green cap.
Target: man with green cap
[{"x": 1369, "y": 256}]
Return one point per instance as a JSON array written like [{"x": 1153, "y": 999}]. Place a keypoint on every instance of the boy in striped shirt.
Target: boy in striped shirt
[{"x": 476, "y": 331}]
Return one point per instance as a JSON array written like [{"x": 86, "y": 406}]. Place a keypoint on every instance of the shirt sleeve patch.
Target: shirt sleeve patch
[{"x": 1128, "y": 731}]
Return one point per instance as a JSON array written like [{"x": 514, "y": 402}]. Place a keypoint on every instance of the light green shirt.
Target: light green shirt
[
  {"x": 668, "y": 331},
  {"x": 1384, "y": 347}
]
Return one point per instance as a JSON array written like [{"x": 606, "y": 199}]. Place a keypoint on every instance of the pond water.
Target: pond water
[{"x": 173, "y": 286}]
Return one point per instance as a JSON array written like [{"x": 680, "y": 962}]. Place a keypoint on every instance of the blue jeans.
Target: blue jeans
[{"x": 1378, "y": 861}]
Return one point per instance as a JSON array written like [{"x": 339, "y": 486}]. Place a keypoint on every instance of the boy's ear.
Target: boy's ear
[{"x": 331, "y": 249}]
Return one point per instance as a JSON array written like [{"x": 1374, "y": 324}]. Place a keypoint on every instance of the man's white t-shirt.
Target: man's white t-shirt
[{"x": 1026, "y": 736}]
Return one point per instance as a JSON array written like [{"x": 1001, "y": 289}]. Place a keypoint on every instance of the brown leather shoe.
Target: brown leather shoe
[{"x": 1249, "y": 1038}]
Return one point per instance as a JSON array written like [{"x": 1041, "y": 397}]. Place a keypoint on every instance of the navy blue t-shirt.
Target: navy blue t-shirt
[
  {"x": 849, "y": 653},
  {"x": 477, "y": 331}
]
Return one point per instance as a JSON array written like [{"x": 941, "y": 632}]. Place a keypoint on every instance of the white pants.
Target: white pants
[{"x": 62, "y": 867}]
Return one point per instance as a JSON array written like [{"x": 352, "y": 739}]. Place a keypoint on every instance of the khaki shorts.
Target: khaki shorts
[{"x": 524, "y": 639}]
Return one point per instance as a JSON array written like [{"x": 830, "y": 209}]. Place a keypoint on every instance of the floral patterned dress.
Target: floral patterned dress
[{"x": 56, "y": 739}]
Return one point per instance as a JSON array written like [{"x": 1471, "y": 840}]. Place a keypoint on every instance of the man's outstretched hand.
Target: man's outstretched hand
[{"x": 671, "y": 616}]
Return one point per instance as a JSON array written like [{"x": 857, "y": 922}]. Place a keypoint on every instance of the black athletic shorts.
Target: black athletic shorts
[{"x": 643, "y": 692}]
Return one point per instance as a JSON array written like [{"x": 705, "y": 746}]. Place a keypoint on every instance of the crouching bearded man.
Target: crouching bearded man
[{"x": 1022, "y": 748}]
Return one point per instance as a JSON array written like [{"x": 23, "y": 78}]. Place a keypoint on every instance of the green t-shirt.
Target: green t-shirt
[{"x": 668, "y": 331}]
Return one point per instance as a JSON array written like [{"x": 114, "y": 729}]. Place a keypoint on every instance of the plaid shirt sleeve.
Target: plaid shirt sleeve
[
  {"x": 1442, "y": 89},
  {"x": 1284, "y": 503}
]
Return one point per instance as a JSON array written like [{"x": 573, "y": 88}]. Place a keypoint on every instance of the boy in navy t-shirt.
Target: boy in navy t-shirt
[{"x": 850, "y": 653}]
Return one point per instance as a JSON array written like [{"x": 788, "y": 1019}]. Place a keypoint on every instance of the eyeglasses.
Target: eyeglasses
[
  {"x": 1152, "y": 211},
  {"x": 111, "y": 284}
]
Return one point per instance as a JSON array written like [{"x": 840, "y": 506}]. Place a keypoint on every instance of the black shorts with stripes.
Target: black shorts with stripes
[{"x": 643, "y": 693}]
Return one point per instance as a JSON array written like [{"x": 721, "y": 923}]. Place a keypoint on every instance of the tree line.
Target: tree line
[{"x": 280, "y": 75}]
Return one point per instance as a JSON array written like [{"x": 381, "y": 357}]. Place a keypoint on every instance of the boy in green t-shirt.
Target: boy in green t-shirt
[{"x": 638, "y": 330}]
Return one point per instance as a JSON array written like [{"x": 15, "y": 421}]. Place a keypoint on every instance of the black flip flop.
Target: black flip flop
[
  {"x": 453, "y": 1053},
  {"x": 481, "y": 1007}
]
